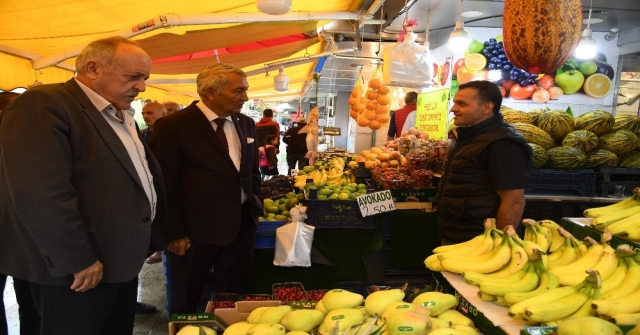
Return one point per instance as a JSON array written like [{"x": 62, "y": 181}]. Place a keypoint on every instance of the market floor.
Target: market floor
[{"x": 152, "y": 290}]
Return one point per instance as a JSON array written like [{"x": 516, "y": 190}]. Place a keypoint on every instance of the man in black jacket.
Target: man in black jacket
[
  {"x": 486, "y": 168},
  {"x": 296, "y": 140}
]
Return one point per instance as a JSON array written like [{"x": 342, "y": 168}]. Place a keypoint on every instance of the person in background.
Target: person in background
[
  {"x": 82, "y": 195},
  {"x": 399, "y": 116},
  {"x": 486, "y": 168},
  {"x": 296, "y": 140},
  {"x": 267, "y": 126},
  {"x": 27, "y": 311},
  {"x": 209, "y": 157},
  {"x": 268, "y": 157},
  {"x": 150, "y": 113},
  {"x": 171, "y": 107},
  {"x": 409, "y": 122}
]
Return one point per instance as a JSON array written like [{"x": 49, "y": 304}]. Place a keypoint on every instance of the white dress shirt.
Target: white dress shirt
[
  {"x": 232, "y": 138},
  {"x": 126, "y": 131}
]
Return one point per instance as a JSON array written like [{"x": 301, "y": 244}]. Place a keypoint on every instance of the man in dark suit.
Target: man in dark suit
[
  {"x": 82, "y": 197},
  {"x": 209, "y": 157}
]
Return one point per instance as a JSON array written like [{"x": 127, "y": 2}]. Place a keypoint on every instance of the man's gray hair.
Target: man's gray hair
[
  {"x": 214, "y": 77},
  {"x": 101, "y": 51}
]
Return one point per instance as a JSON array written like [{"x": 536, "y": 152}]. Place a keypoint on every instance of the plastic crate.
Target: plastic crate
[
  {"x": 610, "y": 177},
  {"x": 337, "y": 214},
  {"x": 266, "y": 234},
  {"x": 581, "y": 181},
  {"x": 221, "y": 300}
]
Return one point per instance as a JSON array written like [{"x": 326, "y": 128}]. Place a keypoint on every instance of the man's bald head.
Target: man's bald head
[
  {"x": 151, "y": 112},
  {"x": 171, "y": 107}
]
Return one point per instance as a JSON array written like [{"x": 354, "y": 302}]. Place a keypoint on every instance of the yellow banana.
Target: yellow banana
[
  {"x": 608, "y": 219},
  {"x": 475, "y": 278},
  {"x": 623, "y": 305},
  {"x": 629, "y": 319},
  {"x": 486, "y": 297},
  {"x": 496, "y": 259},
  {"x": 605, "y": 266},
  {"x": 472, "y": 244},
  {"x": 619, "y": 227},
  {"x": 632, "y": 233},
  {"x": 527, "y": 283},
  {"x": 555, "y": 256},
  {"x": 558, "y": 309},
  {"x": 629, "y": 284},
  {"x": 519, "y": 259},
  {"x": 616, "y": 277},
  {"x": 599, "y": 211},
  {"x": 499, "y": 300},
  {"x": 547, "y": 234},
  {"x": 569, "y": 255},
  {"x": 581, "y": 264},
  {"x": 517, "y": 310},
  {"x": 548, "y": 281},
  {"x": 433, "y": 263}
]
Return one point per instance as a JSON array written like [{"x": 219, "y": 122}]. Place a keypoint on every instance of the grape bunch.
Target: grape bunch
[
  {"x": 522, "y": 77},
  {"x": 496, "y": 58}
]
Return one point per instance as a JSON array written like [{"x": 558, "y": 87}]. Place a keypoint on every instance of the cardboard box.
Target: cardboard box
[
  {"x": 180, "y": 320},
  {"x": 229, "y": 316}
]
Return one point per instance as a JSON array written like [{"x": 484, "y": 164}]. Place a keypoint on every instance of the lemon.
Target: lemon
[
  {"x": 343, "y": 196},
  {"x": 300, "y": 197},
  {"x": 271, "y": 216},
  {"x": 292, "y": 203},
  {"x": 475, "y": 62},
  {"x": 597, "y": 86},
  {"x": 291, "y": 195},
  {"x": 334, "y": 196},
  {"x": 354, "y": 196},
  {"x": 362, "y": 186},
  {"x": 267, "y": 201},
  {"x": 337, "y": 190},
  {"x": 362, "y": 192},
  {"x": 325, "y": 191},
  {"x": 322, "y": 197}
]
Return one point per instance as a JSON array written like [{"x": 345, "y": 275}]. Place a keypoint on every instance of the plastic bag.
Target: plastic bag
[
  {"x": 356, "y": 104},
  {"x": 293, "y": 244},
  {"x": 407, "y": 64},
  {"x": 377, "y": 110}
]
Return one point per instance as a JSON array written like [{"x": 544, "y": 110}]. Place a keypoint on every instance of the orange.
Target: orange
[
  {"x": 363, "y": 121},
  {"x": 597, "y": 86},
  {"x": 475, "y": 62},
  {"x": 466, "y": 75},
  {"x": 371, "y": 115},
  {"x": 374, "y": 124}
]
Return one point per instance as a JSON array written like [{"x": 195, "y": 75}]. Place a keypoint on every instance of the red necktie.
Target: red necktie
[{"x": 220, "y": 131}]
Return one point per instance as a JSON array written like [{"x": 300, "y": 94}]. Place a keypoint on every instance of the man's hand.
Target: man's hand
[
  {"x": 179, "y": 247},
  {"x": 88, "y": 278}
]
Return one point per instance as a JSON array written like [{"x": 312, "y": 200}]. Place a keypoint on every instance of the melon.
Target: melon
[
  {"x": 515, "y": 116},
  {"x": 540, "y": 36},
  {"x": 626, "y": 122},
  {"x": 598, "y": 122},
  {"x": 601, "y": 157},
  {"x": 535, "y": 113},
  {"x": 619, "y": 142},
  {"x": 533, "y": 134},
  {"x": 539, "y": 156},
  {"x": 566, "y": 158},
  {"x": 631, "y": 160},
  {"x": 581, "y": 139},
  {"x": 556, "y": 123}
]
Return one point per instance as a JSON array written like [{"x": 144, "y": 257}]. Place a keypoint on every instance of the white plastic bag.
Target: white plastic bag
[
  {"x": 407, "y": 64},
  {"x": 293, "y": 244}
]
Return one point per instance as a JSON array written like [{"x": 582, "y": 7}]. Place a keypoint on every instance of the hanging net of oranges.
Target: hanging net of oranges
[
  {"x": 356, "y": 100},
  {"x": 377, "y": 101}
]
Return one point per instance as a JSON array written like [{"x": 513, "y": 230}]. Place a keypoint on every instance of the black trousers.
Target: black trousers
[
  {"x": 107, "y": 309},
  {"x": 293, "y": 159},
  {"x": 27, "y": 311},
  {"x": 231, "y": 263}
]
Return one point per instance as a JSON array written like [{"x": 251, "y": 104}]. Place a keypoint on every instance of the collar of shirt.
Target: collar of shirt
[
  {"x": 209, "y": 114},
  {"x": 99, "y": 102}
]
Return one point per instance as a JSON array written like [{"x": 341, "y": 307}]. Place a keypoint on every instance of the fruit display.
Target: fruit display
[
  {"x": 383, "y": 157},
  {"x": 337, "y": 192},
  {"x": 530, "y": 50},
  {"x": 591, "y": 139},
  {"x": 275, "y": 187},
  {"x": 621, "y": 219},
  {"x": 389, "y": 178},
  {"x": 376, "y": 101},
  {"x": 331, "y": 171},
  {"x": 278, "y": 210},
  {"x": 196, "y": 329}
]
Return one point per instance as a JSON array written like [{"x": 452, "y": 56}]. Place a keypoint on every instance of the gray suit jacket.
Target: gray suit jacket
[{"x": 69, "y": 192}]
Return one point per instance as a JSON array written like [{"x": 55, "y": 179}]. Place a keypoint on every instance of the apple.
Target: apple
[
  {"x": 588, "y": 68},
  {"x": 570, "y": 81}
]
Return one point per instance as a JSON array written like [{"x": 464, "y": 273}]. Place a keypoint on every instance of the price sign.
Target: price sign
[{"x": 376, "y": 203}]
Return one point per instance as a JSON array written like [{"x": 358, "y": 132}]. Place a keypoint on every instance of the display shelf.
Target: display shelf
[
  {"x": 581, "y": 228},
  {"x": 488, "y": 317}
]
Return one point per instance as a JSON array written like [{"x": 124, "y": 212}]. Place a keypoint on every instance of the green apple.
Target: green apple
[
  {"x": 570, "y": 82},
  {"x": 588, "y": 68}
]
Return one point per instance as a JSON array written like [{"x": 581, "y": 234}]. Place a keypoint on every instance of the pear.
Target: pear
[
  {"x": 266, "y": 329},
  {"x": 405, "y": 306},
  {"x": 254, "y": 316},
  {"x": 587, "y": 325},
  {"x": 455, "y": 318},
  {"x": 303, "y": 320},
  {"x": 362, "y": 309},
  {"x": 195, "y": 330},
  {"x": 338, "y": 299},
  {"x": 437, "y": 302},
  {"x": 378, "y": 301},
  {"x": 320, "y": 307},
  {"x": 274, "y": 314},
  {"x": 239, "y": 328},
  {"x": 344, "y": 317},
  {"x": 407, "y": 323}
]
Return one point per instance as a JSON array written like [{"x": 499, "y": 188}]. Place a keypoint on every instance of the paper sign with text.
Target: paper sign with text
[
  {"x": 432, "y": 113},
  {"x": 376, "y": 203}
]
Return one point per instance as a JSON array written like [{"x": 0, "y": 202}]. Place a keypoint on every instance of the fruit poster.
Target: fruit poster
[
  {"x": 578, "y": 81},
  {"x": 432, "y": 113}
]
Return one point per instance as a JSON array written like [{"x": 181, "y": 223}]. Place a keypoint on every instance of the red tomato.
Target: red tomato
[
  {"x": 458, "y": 65},
  {"x": 546, "y": 81},
  {"x": 522, "y": 93}
]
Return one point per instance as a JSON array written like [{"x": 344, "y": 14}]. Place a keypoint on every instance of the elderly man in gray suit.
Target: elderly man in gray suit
[{"x": 81, "y": 196}]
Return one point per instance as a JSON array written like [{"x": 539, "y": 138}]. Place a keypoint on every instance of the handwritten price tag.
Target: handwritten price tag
[{"x": 376, "y": 203}]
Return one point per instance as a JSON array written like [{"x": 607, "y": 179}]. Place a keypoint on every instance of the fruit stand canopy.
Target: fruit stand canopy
[{"x": 44, "y": 28}]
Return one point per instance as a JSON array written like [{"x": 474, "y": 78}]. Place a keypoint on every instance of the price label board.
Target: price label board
[
  {"x": 334, "y": 131},
  {"x": 376, "y": 203}
]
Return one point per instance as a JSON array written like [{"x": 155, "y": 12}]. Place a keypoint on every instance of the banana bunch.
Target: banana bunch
[
  {"x": 570, "y": 250},
  {"x": 599, "y": 257},
  {"x": 556, "y": 238},
  {"x": 559, "y": 303},
  {"x": 477, "y": 254},
  {"x": 331, "y": 172},
  {"x": 537, "y": 234},
  {"x": 630, "y": 202},
  {"x": 620, "y": 296},
  {"x": 622, "y": 218}
]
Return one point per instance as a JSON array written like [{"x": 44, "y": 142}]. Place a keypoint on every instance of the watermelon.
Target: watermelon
[
  {"x": 539, "y": 157},
  {"x": 626, "y": 122},
  {"x": 598, "y": 122},
  {"x": 631, "y": 160},
  {"x": 515, "y": 116},
  {"x": 601, "y": 157},
  {"x": 619, "y": 142},
  {"x": 566, "y": 158},
  {"x": 556, "y": 123},
  {"x": 581, "y": 139},
  {"x": 533, "y": 134}
]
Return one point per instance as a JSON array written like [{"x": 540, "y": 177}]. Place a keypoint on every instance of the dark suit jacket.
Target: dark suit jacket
[
  {"x": 69, "y": 192},
  {"x": 203, "y": 184}
]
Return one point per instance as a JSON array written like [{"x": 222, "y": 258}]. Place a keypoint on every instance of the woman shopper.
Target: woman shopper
[{"x": 268, "y": 157}]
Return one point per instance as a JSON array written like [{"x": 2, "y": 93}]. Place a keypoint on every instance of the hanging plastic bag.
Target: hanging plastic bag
[
  {"x": 356, "y": 103},
  {"x": 377, "y": 111},
  {"x": 293, "y": 240},
  {"x": 407, "y": 64}
]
